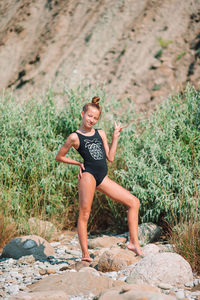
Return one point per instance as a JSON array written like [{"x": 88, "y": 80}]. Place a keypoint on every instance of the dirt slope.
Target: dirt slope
[{"x": 142, "y": 49}]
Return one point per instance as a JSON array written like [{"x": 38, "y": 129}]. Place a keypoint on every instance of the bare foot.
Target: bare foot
[
  {"x": 88, "y": 259},
  {"x": 137, "y": 250}
]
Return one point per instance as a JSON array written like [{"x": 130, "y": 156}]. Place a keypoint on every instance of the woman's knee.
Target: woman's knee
[
  {"x": 84, "y": 215},
  {"x": 134, "y": 202}
]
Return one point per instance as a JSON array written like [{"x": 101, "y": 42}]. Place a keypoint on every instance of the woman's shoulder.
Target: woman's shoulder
[
  {"x": 73, "y": 137},
  {"x": 73, "y": 140},
  {"x": 101, "y": 132}
]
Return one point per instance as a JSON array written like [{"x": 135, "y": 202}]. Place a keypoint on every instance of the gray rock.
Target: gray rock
[
  {"x": 150, "y": 249},
  {"x": 28, "y": 245},
  {"x": 189, "y": 284},
  {"x": 169, "y": 268},
  {"x": 180, "y": 295},
  {"x": 13, "y": 289},
  {"x": 196, "y": 282},
  {"x": 148, "y": 233},
  {"x": 164, "y": 286}
]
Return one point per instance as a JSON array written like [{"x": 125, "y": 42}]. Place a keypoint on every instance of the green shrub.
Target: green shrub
[
  {"x": 157, "y": 160},
  {"x": 32, "y": 183},
  {"x": 162, "y": 159}
]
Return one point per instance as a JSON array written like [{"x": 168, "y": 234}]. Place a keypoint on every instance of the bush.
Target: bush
[
  {"x": 162, "y": 160},
  {"x": 158, "y": 161},
  {"x": 32, "y": 182}
]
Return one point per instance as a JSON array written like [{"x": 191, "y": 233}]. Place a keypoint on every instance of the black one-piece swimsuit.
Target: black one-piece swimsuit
[{"x": 92, "y": 150}]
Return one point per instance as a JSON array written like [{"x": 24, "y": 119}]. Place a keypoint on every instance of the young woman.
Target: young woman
[{"x": 93, "y": 147}]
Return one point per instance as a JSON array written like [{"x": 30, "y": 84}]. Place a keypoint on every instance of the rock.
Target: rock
[
  {"x": 79, "y": 265},
  {"x": 55, "y": 244},
  {"x": 126, "y": 271},
  {"x": 189, "y": 284},
  {"x": 164, "y": 286},
  {"x": 74, "y": 283},
  {"x": 41, "y": 228},
  {"x": 74, "y": 252},
  {"x": 90, "y": 270},
  {"x": 26, "y": 260},
  {"x": 43, "y": 272},
  {"x": 166, "y": 248},
  {"x": 180, "y": 295},
  {"x": 148, "y": 233},
  {"x": 2, "y": 294},
  {"x": 28, "y": 245},
  {"x": 134, "y": 295},
  {"x": 170, "y": 268},
  {"x": 13, "y": 289},
  {"x": 172, "y": 293},
  {"x": 42, "y": 295},
  {"x": 116, "y": 259},
  {"x": 105, "y": 242},
  {"x": 197, "y": 282},
  {"x": 51, "y": 271},
  {"x": 136, "y": 287},
  {"x": 150, "y": 249},
  {"x": 112, "y": 275}
]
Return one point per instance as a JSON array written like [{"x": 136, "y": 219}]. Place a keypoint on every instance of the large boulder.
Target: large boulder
[
  {"x": 116, "y": 259},
  {"x": 75, "y": 283},
  {"x": 105, "y": 241},
  {"x": 134, "y": 295},
  {"x": 166, "y": 267},
  {"x": 28, "y": 245},
  {"x": 150, "y": 249},
  {"x": 42, "y": 295}
]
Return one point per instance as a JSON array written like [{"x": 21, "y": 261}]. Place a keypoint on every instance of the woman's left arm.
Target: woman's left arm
[{"x": 110, "y": 151}]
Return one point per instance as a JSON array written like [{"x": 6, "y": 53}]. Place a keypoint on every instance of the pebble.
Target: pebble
[
  {"x": 13, "y": 289},
  {"x": 180, "y": 294},
  {"x": 15, "y": 275},
  {"x": 165, "y": 286},
  {"x": 196, "y": 282},
  {"x": 51, "y": 271},
  {"x": 189, "y": 284},
  {"x": 43, "y": 271}
]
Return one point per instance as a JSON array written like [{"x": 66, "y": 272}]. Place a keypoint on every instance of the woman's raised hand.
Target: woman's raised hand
[
  {"x": 81, "y": 171},
  {"x": 118, "y": 128}
]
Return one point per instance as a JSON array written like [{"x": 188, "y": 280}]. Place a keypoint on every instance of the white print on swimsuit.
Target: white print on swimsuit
[{"x": 94, "y": 147}]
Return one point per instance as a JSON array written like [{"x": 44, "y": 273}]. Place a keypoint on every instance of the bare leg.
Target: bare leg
[
  {"x": 119, "y": 194},
  {"x": 87, "y": 186}
]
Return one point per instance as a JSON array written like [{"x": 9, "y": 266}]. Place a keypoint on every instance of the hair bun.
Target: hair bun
[{"x": 96, "y": 100}]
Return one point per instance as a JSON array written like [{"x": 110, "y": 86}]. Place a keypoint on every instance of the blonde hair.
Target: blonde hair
[{"x": 94, "y": 103}]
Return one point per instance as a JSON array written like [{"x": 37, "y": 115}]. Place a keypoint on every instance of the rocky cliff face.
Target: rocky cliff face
[{"x": 141, "y": 49}]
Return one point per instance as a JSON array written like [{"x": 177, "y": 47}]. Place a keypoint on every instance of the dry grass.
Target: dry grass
[
  {"x": 186, "y": 240},
  {"x": 8, "y": 229}
]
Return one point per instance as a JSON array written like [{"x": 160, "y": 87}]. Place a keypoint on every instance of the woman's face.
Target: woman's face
[{"x": 90, "y": 117}]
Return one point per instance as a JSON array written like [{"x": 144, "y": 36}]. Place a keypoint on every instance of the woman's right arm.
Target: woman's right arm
[{"x": 72, "y": 141}]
